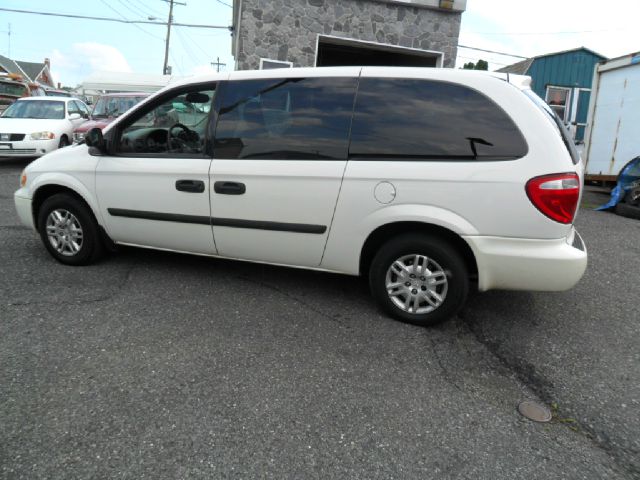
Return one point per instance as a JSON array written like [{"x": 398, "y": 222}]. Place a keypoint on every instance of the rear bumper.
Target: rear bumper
[
  {"x": 23, "y": 208},
  {"x": 529, "y": 264}
]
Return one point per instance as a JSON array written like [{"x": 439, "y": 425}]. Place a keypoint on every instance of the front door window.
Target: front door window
[{"x": 177, "y": 125}]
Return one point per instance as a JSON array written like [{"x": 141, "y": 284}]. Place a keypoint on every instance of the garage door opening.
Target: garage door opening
[{"x": 337, "y": 52}]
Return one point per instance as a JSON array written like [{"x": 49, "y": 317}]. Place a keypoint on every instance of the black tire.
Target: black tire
[
  {"x": 446, "y": 257},
  {"x": 64, "y": 142},
  {"x": 629, "y": 211},
  {"x": 90, "y": 248},
  {"x": 629, "y": 197}
]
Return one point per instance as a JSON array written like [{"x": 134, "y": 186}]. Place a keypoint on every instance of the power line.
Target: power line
[
  {"x": 133, "y": 9},
  {"x": 118, "y": 20},
  {"x": 492, "y": 51},
  {"x": 197, "y": 44},
  {"x": 218, "y": 64},
  {"x": 225, "y": 4},
  {"x": 169, "y": 22},
  {"x": 550, "y": 33},
  {"x": 186, "y": 49},
  {"x": 179, "y": 66},
  {"x": 146, "y": 8},
  {"x": 137, "y": 26},
  {"x": 476, "y": 59}
]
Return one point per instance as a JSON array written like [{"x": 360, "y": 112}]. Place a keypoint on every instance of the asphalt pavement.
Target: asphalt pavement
[{"x": 152, "y": 365}]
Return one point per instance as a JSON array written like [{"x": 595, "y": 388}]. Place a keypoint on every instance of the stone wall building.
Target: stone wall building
[{"x": 303, "y": 33}]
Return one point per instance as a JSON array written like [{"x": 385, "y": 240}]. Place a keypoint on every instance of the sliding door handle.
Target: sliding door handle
[
  {"x": 229, "y": 188},
  {"x": 193, "y": 186}
]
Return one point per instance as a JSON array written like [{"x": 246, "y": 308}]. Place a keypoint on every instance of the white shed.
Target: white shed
[
  {"x": 105, "y": 82},
  {"x": 613, "y": 123}
]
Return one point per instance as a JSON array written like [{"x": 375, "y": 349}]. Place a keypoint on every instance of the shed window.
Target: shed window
[{"x": 558, "y": 100}]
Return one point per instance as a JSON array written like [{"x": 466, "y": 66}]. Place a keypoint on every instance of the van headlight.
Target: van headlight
[{"x": 43, "y": 136}]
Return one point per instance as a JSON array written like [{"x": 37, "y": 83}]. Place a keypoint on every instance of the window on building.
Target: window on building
[
  {"x": 558, "y": 100},
  {"x": 411, "y": 119},
  {"x": 294, "y": 118},
  {"x": 269, "y": 64}
]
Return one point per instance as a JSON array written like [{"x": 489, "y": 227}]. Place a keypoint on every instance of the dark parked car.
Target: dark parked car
[{"x": 108, "y": 107}]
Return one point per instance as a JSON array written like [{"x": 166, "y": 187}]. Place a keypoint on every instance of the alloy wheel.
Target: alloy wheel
[
  {"x": 64, "y": 232},
  {"x": 416, "y": 284}
]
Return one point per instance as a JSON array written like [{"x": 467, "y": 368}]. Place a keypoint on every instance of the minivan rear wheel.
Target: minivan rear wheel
[{"x": 419, "y": 279}]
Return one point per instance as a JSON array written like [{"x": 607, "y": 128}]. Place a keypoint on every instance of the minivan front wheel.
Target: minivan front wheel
[
  {"x": 419, "y": 279},
  {"x": 68, "y": 230}
]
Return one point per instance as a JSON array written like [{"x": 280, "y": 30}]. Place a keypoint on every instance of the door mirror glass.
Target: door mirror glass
[{"x": 94, "y": 138}]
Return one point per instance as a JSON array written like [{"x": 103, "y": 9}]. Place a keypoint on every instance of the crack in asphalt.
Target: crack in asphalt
[
  {"x": 446, "y": 375},
  {"x": 305, "y": 304},
  {"x": 544, "y": 389},
  {"x": 15, "y": 227}
]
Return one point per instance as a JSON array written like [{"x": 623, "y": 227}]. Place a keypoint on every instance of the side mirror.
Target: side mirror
[
  {"x": 94, "y": 139},
  {"x": 75, "y": 116}
]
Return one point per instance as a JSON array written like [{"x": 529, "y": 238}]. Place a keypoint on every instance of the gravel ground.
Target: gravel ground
[{"x": 156, "y": 365}]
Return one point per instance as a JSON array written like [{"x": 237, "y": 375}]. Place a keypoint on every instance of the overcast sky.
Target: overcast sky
[
  {"x": 79, "y": 47},
  {"x": 535, "y": 27}
]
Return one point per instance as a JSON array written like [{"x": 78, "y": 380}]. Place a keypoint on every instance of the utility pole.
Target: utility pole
[
  {"x": 166, "y": 46},
  {"x": 218, "y": 64}
]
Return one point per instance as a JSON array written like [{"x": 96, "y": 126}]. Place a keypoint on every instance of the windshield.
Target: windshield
[
  {"x": 114, "y": 106},
  {"x": 15, "y": 89},
  {"x": 56, "y": 93},
  {"x": 48, "y": 109}
]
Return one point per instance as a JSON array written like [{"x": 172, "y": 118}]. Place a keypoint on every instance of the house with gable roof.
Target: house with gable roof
[{"x": 30, "y": 71}]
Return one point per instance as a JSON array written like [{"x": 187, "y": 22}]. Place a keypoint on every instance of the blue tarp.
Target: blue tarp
[{"x": 628, "y": 178}]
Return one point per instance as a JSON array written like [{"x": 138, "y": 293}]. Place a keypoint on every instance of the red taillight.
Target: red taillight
[{"x": 555, "y": 195}]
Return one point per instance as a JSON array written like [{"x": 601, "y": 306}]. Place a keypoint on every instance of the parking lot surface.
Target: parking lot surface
[{"x": 152, "y": 365}]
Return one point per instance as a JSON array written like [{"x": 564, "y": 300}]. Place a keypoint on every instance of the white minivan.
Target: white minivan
[{"x": 421, "y": 180}]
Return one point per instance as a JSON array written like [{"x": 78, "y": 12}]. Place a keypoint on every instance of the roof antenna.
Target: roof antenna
[{"x": 508, "y": 78}]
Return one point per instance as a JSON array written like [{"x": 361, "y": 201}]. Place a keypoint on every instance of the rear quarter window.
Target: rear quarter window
[
  {"x": 555, "y": 119},
  {"x": 414, "y": 119}
]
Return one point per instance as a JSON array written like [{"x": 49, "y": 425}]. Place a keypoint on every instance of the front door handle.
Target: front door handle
[
  {"x": 229, "y": 188},
  {"x": 193, "y": 186}
]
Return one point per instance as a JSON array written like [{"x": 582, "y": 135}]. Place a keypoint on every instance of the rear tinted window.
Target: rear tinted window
[
  {"x": 408, "y": 119},
  {"x": 297, "y": 118}
]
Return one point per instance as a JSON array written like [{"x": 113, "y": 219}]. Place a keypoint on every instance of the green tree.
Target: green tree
[{"x": 480, "y": 65}]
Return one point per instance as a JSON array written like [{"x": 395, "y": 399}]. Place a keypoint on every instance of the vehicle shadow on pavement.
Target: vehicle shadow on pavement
[{"x": 8, "y": 162}]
